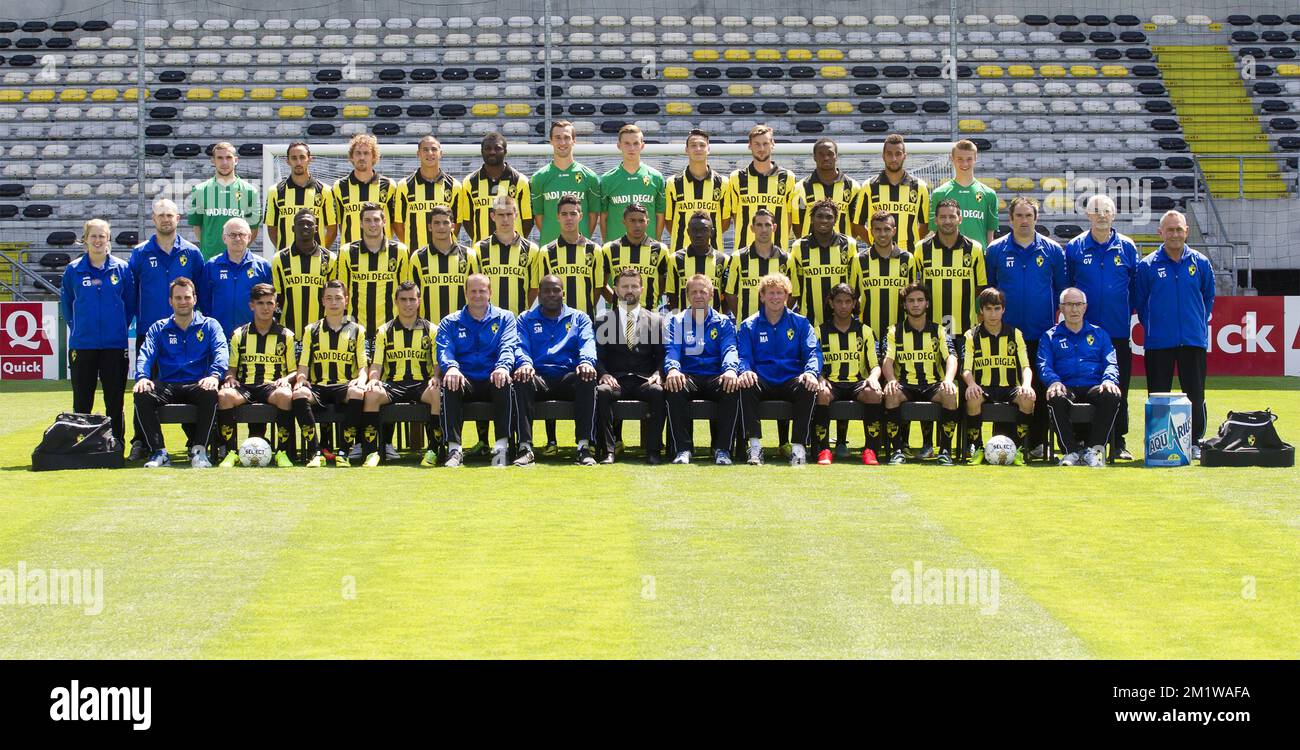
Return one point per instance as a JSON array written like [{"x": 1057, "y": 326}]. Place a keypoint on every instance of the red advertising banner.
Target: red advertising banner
[
  {"x": 27, "y": 340},
  {"x": 1248, "y": 336}
]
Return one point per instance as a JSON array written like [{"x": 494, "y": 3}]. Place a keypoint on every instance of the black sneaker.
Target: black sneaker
[
  {"x": 942, "y": 458},
  {"x": 138, "y": 452},
  {"x": 390, "y": 453},
  {"x": 455, "y": 459},
  {"x": 898, "y": 458},
  {"x": 584, "y": 457},
  {"x": 653, "y": 459},
  {"x": 524, "y": 457}
]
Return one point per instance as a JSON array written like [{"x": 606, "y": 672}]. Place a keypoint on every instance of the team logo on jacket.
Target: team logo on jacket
[
  {"x": 112, "y": 279},
  {"x": 567, "y": 326},
  {"x": 1090, "y": 339},
  {"x": 185, "y": 259},
  {"x": 1118, "y": 262},
  {"x": 789, "y": 333},
  {"x": 1191, "y": 270},
  {"x": 496, "y": 327},
  {"x": 1040, "y": 260},
  {"x": 250, "y": 273},
  {"x": 199, "y": 335},
  {"x": 713, "y": 333}
]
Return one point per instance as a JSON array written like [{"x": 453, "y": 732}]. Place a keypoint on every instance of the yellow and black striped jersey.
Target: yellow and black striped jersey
[
  {"x": 441, "y": 278},
  {"x": 477, "y": 192},
  {"x": 685, "y": 265},
  {"x": 777, "y": 191},
  {"x": 908, "y": 201},
  {"x": 415, "y": 196},
  {"x": 848, "y": 356},
  {"x": 816, "y": 269},
  {"x": 920, "y": 357},
  {"x": 257, "y": 357},
  {"x": 878, "y": 281},
  {"x": 510, "y": 267},
  {"x": 371, "y": 279},
  {"x": 298, "y": 281},
  {"x": 843, "y": 193},
  {"x": 684, "y": 195},
  {"x": 746, "y": 267},
  {"x": 954, "y": 275},
  {"x": 576, "y": 264},
  {"x": 333, "y": 355},
  {"x": 405, "y": 354},
  {"x": 650, "y": 258},
  {"x": 285, "y": 201},
  {"x": 995, "y": 360},
  {"x": 344, "y": 205}
]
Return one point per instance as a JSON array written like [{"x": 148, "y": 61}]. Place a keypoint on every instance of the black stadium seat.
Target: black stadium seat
[
  {"x": 386, "y": 129},
  {"x": 58, "y": 42},
  {"x": 171, "y": 76},
  {"x": 321, "y": 129},
  {"x": 388, "y": 111},
  {"x": 1241, "y": 19},
  {"x": 1162, "y": 203},
  {"x": 8, "y": 27},
  {"x": 902, "y": 107},
  {"x": 1171, "y": 143},
  {"x": 1157, "y": 183},
  {"x": 927, "y": 71},
  {"x": 708, "y": 89},
  {"x": 775, "y": 108},
  {"x": 129, "y": 238},
  {"x": 35, "y": 27},
  {"x": 250, "y": 149},
  {"x": 652, "y": 108},
  {"x": 420, "y": 111},
  {"x": 611, "y": 127},
  {"x": 1256, "y": 52},
  {"x": 157, "y": 131},
  {"x": 63, "y": 27},
  {"x": 1036, "y": 19},
  {"x": 771, "y": 72},
  {"x": 11, "y": 190},
  {"x": 556, "y": 109},
  {"x": 556, "y": 74},
  {"x": 452, "y": 110},
  {"x": 329, "y": 75},
  {"x": 38, "y": 211},
  {"x": 1283, "y": 124},
  {"x": 61, "y": 238},
  {"x": 1273, "y": 36},
  {"x": 983, "y": 144},
  {"x": 556, "y": 90},
  {"x": 1165, "y": 124},
  {"x": 1290, "y": 143},
  {"x": 487, "y": 74},
  {"x": 897, "y": 71},
  {"x": 866, "y": 89},
  {"x": 711, "y": 108},
  {"x": 1133, "y": 37},
  {"x": 864, "y": 71},
  {"x": 163, "y": 113},
  {"x": 155, "y": 149},
  {"x": 803, "y": 71},
  {"x": 1245, "y": 37},
  {"x": 1145, "y": 71},
  {"x": 1158, "y": 106},
  {"x": 807, "y": 108},
  {"x": 577, "y": 74},
  {"x": 1179, "y": 162},
  {"x": 739, "y": 72},
  {"x": 935, "y": 107},
  {"x": 1269, "y": 19},
  {"x": 871, "y": 107},
  {"x": 1102, "y": 37},
  {"x": 1184, "y": 182},
  {"x": 875, "y": 126},
  {"x": 708, "y": 73},
  {"x": 1096, "y": 20},
  {"x": 167, "y": 95},
  {"x": 5, "y": 43},
  {"x": 455, "y": 74},
  {"x": 326, "y": 93},
  {"x": 1066, "y": 19},
  {"x": 1273, "y": 106},
  {"x": 1267, "y": 88},
  {"x": 1146, "y": 163},
  {"x": 1281, "y": 53},
  {"x": 28, "y": 42},
  {"x": 613, "y": 73},
  {"x": 324, "y": 111},
  {"x": 1072, "y": 37},
  {"x": 390, "y": 92},
  {"x": 1138, "y": 53},
  {"x": 613, "y": 108},
  {"x": 743, "y": 108},
  {"x": 809, "y": 126},
  {"x": 392, "y": 74},
  {"x": 1151, "y": 88},
  {"x": 582, "y": 109},
  {"x": 1108, "y": 53},
  {"x": 645, "y": 89},
  {"x": 1067, "y": 231},
  {"x": 8, "y": 210},
  {"x": 424, "y": 74},
  {"x": 22, "y": 61}
]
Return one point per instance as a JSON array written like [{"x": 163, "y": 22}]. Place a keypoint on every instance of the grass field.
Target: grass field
[{"x": 664, "y": 562}]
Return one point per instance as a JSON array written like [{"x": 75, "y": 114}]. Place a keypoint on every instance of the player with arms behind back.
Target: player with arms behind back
[
  {"x": 763, "y": 184},
  {"x": 295, "y": 193},
  {"x": 696, "y": 188},
  {"x": 361, "y": 186},
  {"x": 299, "y": 272}
]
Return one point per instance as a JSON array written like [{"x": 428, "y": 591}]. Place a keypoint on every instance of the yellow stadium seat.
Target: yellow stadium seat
[
  {"x": 1021, "y": 71},
  {"x": 360, "y": 111},
  {"x": 767, "y": 55},
  {"x": 736, "y": 55},
  {"x": 11, "y": 95},
  {"x": 1288, "y": 70},
  {"x": 40, "y": 95},
  {"x": 679, "y": 108},
  {"x": 101, "y": 95},
  {"x": 740, "y": 89},
  {"x": 485, "y": 109},
  {"x": 829, "y": 54},
  {"x": 971, "y": 126},
  {"x": 1020, "y": 183},
  {"x": 992, "y": 182},
  {"x": 839, "y": 108},
  {"x": 799, "y": 55},
  {"x": 72, "y": 95},
  {"x": 1052, "y": 183},
  {"x": 989, "y": 71},
  {"x": 292, "y": 112},
  {"x": 131, "y": 95},
  {"x": 1002, "y": 205},
  {"x": 1083, "y": 71},
  {"x": 1114, "y": 71},
  {"x": 705, "y": 55},
  {"x": 834, "y": 71},
  {"x": 261, "y": 94},
  {"x": 198, "y": 93},
  {"x": 1057, "y": 203},
  {"x": 518, "y": 109},
  {"x": 230, "y": 93},
  {"x": 1052, "y": 71},
  {"x": 676, "y": 72},
  {"x": 294, "y": 93}
]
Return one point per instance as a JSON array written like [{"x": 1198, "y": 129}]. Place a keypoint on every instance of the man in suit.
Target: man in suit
[{"x": 630, "y": 358}]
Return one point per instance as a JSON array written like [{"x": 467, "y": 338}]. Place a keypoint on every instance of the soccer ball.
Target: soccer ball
[
  {"x": 1000, "y": 450},
  {"x": 255, "y": 452}
]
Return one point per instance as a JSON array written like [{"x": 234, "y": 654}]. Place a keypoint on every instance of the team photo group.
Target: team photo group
[{"x": 597, "y": 289}]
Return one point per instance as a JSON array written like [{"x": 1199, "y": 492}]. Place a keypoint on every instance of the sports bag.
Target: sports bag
[
  {"x": 78, "y": 441},
  {"x": 1247, "y": 438}
]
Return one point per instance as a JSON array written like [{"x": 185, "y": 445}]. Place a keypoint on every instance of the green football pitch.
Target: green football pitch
[{"x": 658, "y": 562}]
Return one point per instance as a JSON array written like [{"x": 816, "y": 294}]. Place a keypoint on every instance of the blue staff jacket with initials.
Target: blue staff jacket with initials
[
  {"x": 97, "y": 303},
  {"x": 186, "y": 356},
  {"x": 1077, "y": 360},
  {"x": 1032, "y": 279},
  {"x": 555, "y": 346},
  {"x": 1174, "y": 300},
  {"x": 705, "y": 349},
  {"x": 780, "y": 352},
  {"x": 477, "y": 347}
]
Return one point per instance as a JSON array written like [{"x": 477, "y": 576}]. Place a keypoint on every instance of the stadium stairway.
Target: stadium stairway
[{"x": 1218, "y": 117}]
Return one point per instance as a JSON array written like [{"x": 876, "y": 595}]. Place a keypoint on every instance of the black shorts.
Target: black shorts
[
  {"x": 407, "y": 392},
  {"x": 336, "y": 394},
  {"x": 256, "y": 394},
  {"x": 845, "y": 391},
  {"x": 1001, "y": 394},
  {"x": 919, "y": 393}
]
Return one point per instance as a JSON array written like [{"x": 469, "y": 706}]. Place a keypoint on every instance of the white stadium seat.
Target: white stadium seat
[{"x": 307, "y": 24}]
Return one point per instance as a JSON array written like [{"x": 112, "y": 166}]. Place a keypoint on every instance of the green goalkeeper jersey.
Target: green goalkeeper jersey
[
  {"x": 211, "y": 205},
  {"x": 551, "y": 183},
  {"x": 979, "y": 208},
  {"x": 620, "y": 188}
]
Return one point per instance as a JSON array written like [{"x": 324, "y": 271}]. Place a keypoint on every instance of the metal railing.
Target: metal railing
[
  {"x": 1290, "y": 181},
  {"x": 25, "y": 272}
]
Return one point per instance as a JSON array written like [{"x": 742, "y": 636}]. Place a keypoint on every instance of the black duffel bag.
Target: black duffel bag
[
  {"x": 1247, "y": 438},
  {"x": 78, "y": 441}
]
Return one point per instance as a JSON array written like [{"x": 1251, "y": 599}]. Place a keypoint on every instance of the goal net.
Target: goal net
[{"x": 859, "y": 160}]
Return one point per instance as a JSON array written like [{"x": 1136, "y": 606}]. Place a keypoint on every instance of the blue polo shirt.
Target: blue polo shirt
[
  {"x": 226, "y": 285},
  {"x": 1078, "y": 360},
  {"x": 477, "y": 347},
  {"x": 1031, "y": 277},
  {"x": 705, "y": 349},
  {"x": 183, "y": 356},
  {"x": 1105, "y": 272},
  {"x": 97, "y": 303},
  {"x": 154, "y": 270},
  {"x": 779, "y": 352},
  {"x": 555, "y": 346},
  {"x": 1174, "y": 300}
]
